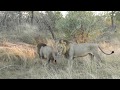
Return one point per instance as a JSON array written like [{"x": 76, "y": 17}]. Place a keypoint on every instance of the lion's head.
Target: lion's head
[{"x": 63, "y": 47}]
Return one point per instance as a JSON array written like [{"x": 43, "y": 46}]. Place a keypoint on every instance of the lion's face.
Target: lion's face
[{"x": 61, "y": 47}]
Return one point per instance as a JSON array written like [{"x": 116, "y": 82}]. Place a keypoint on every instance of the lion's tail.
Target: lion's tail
[{"x": 106, "y": 53}]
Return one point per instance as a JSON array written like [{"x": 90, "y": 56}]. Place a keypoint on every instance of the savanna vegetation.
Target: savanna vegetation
[{"x": 22, "y": 31}]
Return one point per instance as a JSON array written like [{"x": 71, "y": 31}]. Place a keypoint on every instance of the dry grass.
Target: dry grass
[
  {"x": 79, "y": 70},
  {"x": 20, "y": 61},
  {"x": 21, "y": 50},
  {"x": 31, "y": 67}
]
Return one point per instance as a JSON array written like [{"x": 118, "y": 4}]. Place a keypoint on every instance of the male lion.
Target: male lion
[{"x": 72, "y": 50}]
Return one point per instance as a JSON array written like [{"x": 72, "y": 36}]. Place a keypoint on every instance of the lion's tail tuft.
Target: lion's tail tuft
[{"x": 112, "y": 52}]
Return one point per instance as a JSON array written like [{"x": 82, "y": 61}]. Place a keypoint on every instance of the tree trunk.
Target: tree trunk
[
  {"x": 112, "y": 19},
  {"x": 49, "y": 27},
  {"x": 82, "y": 33},
  {"x": 20, "y": 17},
  {"x": 4, "y": 19},
  {"x": 32, "y": 17},
  {"x": 53, "y": 36}
]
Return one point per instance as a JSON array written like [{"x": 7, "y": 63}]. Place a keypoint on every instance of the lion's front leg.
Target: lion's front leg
[
  {"x": 70, "y": 58},
  {"x": 71, "y": 53}
]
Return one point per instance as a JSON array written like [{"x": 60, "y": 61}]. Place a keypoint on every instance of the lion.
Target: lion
[
  {"x": 49, "y": 42},
  {"x": 39, "y": 47},
  {"x": 48, "y": 53},
  {"x": 73, "y": 50}
]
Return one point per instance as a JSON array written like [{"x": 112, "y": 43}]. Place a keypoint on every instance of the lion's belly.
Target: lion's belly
[{"x": 81, "y": 51}]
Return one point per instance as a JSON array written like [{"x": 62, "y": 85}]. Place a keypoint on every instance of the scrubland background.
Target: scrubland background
[{"x": 21, "y": 31}]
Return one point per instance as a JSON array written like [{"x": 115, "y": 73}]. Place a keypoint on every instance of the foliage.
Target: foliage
[
  {"x": 75, "y": 19},
  {"x": 117, "y": 15}
]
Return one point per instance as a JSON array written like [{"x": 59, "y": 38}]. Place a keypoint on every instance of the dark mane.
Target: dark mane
[
  {"x": 67, "y": 42},
  {"x": 40, "y": 45}
]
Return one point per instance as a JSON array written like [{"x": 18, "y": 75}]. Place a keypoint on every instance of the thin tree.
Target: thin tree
[
  {"x": 112, "y": 19},
  {"x": 46, "y": 22},
  {"x": 32, "y": 17},
  {"x": 20, "y": 17}
]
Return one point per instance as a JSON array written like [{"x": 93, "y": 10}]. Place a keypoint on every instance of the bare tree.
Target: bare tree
[
  {"x": 20, "y": 17},
  {"x": 112, "y": 19},
  {"x": 49, "y": 22},
  {"x": 4, "y": 19},
  {"x": 32, "y": 16}
]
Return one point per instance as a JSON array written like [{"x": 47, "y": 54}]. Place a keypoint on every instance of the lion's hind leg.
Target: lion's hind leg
[{"x": 91, "y": 58}]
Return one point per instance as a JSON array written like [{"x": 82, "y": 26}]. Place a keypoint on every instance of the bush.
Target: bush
[
  {"x": 26, "y": 33},
  {"x": 22, "y": 33}
]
